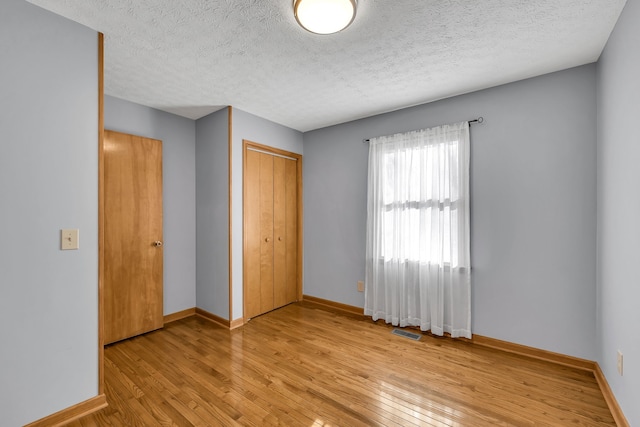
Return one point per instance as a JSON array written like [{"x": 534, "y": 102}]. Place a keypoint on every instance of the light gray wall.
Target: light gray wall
[
  {"x": 178, "y": 135},
  {"x": 212, "y": 193},
  {"x": 619, "y": 210},
  {"x": 48, "y": 181},
  {"x": 533, "y": 207},
  {"x": 255, "y": 129}
]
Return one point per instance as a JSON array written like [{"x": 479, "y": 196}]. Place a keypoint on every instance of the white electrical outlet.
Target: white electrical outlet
[{"x": 620, "y": 364}]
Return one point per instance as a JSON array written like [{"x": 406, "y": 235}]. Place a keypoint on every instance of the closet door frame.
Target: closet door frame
[{"x": 250, "y": 145}]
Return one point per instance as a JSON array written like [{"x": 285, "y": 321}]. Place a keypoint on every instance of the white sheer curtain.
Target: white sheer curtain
[{"x": 417, "y": 255}]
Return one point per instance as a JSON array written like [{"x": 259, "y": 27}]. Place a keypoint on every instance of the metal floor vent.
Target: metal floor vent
[{"x": 405, "y": 334}]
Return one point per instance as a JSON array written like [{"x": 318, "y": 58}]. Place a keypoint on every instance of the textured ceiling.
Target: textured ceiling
[{"x": 191, "y": 57}]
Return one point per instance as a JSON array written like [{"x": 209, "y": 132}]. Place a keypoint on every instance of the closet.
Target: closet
[{"x": 271, "y": 228}]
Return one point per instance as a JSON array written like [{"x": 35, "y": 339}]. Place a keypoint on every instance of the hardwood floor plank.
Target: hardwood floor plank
[
  {"x": 304, "y": 366},
  {"x": 445, "y": 368},
  {"x": 194, "y": 392},
  {"x": 154, "y": 392},
  {"x": 219, "y": 383},
  {"x": 258, "y": 377},
  {"x": 365, "y": 357}
]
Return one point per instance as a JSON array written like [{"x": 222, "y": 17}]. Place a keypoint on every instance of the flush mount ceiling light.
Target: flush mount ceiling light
[{"x": 324, "y": 16}]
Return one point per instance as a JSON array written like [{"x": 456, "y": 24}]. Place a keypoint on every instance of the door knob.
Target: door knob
[{"x": 157, "y": 243}]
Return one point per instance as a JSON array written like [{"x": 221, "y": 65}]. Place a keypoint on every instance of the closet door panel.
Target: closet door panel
[
  {"x": 252, "y": 234},
  {"x": 271, "y": 229},
  {"x": 280, "y": 233},
  {"x": 266, "y": 232},
  {"x": 291, "y": 230}
]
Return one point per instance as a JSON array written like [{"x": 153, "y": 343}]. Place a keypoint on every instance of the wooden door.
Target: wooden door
[
  {"x": 259, "y": 233},
  {"x": 271, "y": 222},
  {"x": 133, "y": 260},
  {"x": 285, "y": 231}
]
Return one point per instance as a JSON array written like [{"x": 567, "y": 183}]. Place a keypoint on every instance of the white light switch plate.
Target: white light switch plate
[{"x": 69, "y": 239}]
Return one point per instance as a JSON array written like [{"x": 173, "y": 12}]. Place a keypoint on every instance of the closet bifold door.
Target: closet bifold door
[
  {"x": 266, "y": 232},
  {"x": 252, "y": 234},
  {"x": 270, "y": 231},
  {"x": 284, "y": 231}
]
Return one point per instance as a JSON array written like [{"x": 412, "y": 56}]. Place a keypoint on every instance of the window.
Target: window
[{"x": 419, "y": 194}]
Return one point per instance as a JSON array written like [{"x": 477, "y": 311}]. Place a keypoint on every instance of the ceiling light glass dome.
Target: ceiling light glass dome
[{"x": 324, "y": 16}]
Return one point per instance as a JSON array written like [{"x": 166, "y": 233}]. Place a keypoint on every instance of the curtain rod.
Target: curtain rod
[{"x": 478, "y": 120}]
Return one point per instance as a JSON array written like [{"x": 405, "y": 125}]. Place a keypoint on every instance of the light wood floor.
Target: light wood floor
[{"x": 302, "y": 366}]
